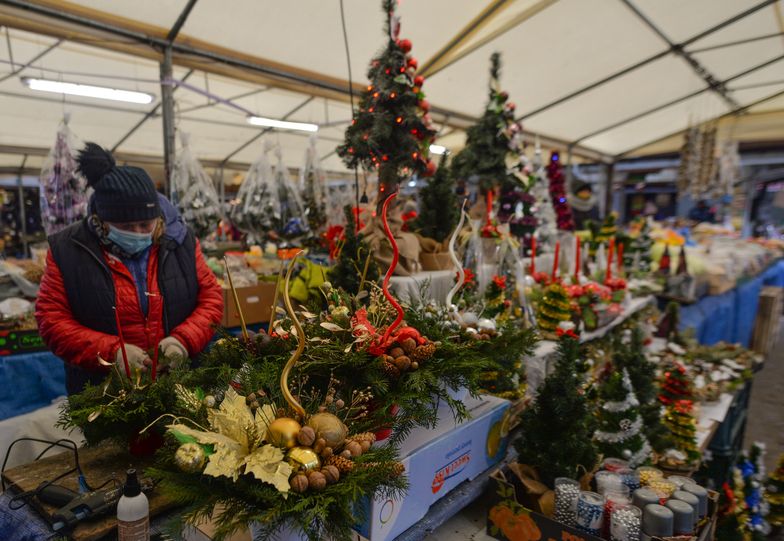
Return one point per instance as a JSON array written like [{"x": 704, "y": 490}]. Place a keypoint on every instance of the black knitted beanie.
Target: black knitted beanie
[{"x": 122, "y": 193}]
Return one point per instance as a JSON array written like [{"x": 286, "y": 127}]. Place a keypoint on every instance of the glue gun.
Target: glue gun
[{"x": 74, "y": 507}]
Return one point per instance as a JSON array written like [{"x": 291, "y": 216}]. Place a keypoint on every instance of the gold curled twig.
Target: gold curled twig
[
  {"x": 455, "y": 260},
  {"x": 284, "y": 376}
]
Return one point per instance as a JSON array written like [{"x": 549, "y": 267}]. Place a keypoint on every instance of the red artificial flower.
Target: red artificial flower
[
  {"x": 410, "y": 215},
  {"x": 499, "y": 281},
  {"x": 360, "y": 326},
  {"x": 541, "y": 278},
  {"x": 469, "y": 277},
  {"x": 575, "y": 291},
  {"x": 332, "y": 236},
  {"x": 490, "y": 231}
]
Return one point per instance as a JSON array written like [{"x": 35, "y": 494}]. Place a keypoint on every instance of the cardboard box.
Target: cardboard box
[
  {"x": 436, "y": 461},
  {"x": 509, "y": 520},
  {"x": 255, "y": 301}
]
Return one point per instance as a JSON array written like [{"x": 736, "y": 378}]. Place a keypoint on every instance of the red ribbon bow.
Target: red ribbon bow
[{"x": 570, "y": 333}]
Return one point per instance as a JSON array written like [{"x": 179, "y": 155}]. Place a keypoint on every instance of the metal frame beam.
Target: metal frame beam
[
  {"x": 80, "y": 24},
  {"x": 680, "y": 99},
  {"x": 740, "y": 110},
  {"x": 648, "y": 60},
  {"x": 266, "y": 130},
  {"x": 150, "y": 114},
  {"x": 16, "y": 71},
  {"x": 678, "y": 50},
  {"x": 432, "y": 65},
  {"x": 180, "y": 22}
]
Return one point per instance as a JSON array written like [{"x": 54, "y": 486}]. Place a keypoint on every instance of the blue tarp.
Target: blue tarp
[
  {"x": 29, "y": 381},
  {"x": 730, "y": 317}
]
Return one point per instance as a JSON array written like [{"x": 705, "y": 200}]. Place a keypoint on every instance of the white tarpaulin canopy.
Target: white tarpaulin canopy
[{"x": 605, "y": 76}]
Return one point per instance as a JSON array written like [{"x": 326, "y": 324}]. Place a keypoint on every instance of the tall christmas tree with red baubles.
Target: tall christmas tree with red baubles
[
  {"x": 563, "y": 212},
  {"x": 391, "y": 130},
  {"x": 676, "y": 385}
]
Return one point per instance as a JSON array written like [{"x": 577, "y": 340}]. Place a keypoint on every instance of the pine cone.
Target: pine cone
[
  {"x": 423, "y": 353},
  {"x": 364, "y": 436},
  {"x": 396, "y": 469},
  {"x": 343, "y": 464},
  {"x": 390, "y": 369}
]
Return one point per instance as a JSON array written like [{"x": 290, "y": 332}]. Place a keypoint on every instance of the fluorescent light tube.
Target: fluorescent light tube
[
  {"x": 88, "y": 91},
  {"x": 437, "y": 149},
  {"x": 282, "y": 124}
]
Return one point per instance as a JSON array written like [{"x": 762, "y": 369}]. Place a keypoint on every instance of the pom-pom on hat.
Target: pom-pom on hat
[{"x": 122, "y": 193}]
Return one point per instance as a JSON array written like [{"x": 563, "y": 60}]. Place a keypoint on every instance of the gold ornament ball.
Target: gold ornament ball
[
  {"x": 329, "y": 427},
  {"x": 283, "y": 432},
  {"x": 303, "y": 459},
  {"x": 190, "y": 457}
]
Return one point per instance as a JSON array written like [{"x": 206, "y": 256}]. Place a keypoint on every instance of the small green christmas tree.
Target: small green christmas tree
[
  {"x": 353, "y": 259},
  {"x": 668, "y": 324},
  {"x": 620, "y": 432},
  {"x": 558, "y": 427},
  {"x": 438, "y": 208},
  {"x": 493, "y": 139},
  {"x": 391, "y": 130},
  {"x": 679, "y": 420},
  {"x": 774, "y": 494},
  {"x": 630, "y": 356},
  {"x": 637, "y": 256},
  {"x": 313, "y": 196},
  {"x": 553, "y": 308}
]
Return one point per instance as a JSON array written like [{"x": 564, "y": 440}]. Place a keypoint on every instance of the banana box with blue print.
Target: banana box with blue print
[{"x": 436, "y": 462}]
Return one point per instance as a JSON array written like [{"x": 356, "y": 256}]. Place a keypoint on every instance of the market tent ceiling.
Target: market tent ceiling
[{"x": 608, "y": 77}]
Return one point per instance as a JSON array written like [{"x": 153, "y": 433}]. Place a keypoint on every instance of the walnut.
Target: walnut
[
  {"x": 409, "y": 345},
  {"x": 306, "y": 436},
  {"x": 331, "y": 473},
  {"x": 396, "y": 352},
  {"x": 317, "y": 480},
  {"x": 402, "y": 363},
  {"x": 299, "y": 483},
  {"x": 354, "y": 448}
]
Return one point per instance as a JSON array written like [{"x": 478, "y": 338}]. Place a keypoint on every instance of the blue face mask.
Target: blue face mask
[{"x": 131, "y": 243}]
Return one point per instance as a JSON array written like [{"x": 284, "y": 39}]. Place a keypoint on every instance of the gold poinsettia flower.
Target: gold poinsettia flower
[{"x": 237, "y": 437}]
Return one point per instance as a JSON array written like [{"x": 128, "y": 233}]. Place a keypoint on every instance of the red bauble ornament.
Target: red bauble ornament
[
  {"x": 511, "y": 106},
  {"x": 430, "y": 169},
  {"x": 424, "y": 105},
  {"x": 404, "y": 44},
  {"x": 419, "y": 80},
  {"x": 412, "y": 63}
]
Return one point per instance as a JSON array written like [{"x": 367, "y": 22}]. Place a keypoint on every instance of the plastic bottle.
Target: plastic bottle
[{"x": 133, "y": 511}]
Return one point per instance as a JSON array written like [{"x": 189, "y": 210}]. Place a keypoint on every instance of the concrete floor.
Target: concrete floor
[{"x": 765, "y": 424}]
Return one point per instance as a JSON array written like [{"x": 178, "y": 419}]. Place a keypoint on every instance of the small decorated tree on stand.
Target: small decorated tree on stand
[
  {"x": 680, "y": 421},
  {"x": 560, "y": 408},
  {"x": 676, "y": 385},
  {"x": 630, "y": 355},
  {"x": 355, "y": 265},
  {"x": 391, "y": 131},
  {"x": 553, "y": 309},
  {"x": 563, "y": 212},
  {"x": 638, "y": 256},
  {"x": 492, "y": 145},
  {"x": 774, "y": 494},
  {"x": 546, "y": 233},
  {"x": 620, "y": 432}
]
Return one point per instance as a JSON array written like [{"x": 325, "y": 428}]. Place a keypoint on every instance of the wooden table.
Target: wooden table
[{"x": 99, "y": 464}]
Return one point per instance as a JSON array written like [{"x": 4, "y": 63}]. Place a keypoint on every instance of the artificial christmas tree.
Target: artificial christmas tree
[
  {"x": 493, "y": 142},
  {"x": 563, "y": 212},
  {"x": 293, "y": 222},
  {"x": 63, "y": 198},
  {"x": 561, "y": 408},
  {"x": 676, "y": 385},
  {"x": 312, "y": 185},
  {"x": 668, "y": 324},
  {"x": 391, "y": 130},
  {"x": 438, "y": 208},
  {"x": 620, "y": 431},
  {"x": 355, "y": 263},
  {"x": 679, "y": 420},
  {"x": 196, "y": 196},
  {"x": 638, "y": 254},
  {"x": 256, "y": 209},
  {"x": 629, "y": 355},
  {"x": 553, "y": 309},
  {"x": 546, "y": 233},
  {"x": 774, "y": 494}
]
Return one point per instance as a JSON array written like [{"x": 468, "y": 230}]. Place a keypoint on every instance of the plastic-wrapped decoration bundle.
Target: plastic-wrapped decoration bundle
[
  {"x": 293, "y": 223},
  {"x": 197, "y": 198},
  {"x": 312, "y": 186},
  {"x": 256, "y": 211},
  {"x": 63, "y": 197}
]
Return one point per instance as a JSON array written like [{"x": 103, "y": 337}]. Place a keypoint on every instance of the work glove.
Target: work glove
[
  {"x": 137, "y": 358},
  {"x": 171, "y": 352}
]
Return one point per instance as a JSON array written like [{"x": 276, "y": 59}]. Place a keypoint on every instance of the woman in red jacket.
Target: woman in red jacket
[{"x": 132, "y": 262}]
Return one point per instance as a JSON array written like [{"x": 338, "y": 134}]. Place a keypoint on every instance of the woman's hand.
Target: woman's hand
[
  {"x": 137, "y": 358},
  {"x": 172, "y": 352}
]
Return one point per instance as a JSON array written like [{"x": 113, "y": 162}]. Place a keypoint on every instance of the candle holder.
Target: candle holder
[
  {"x": 590, "y": 513},
  {"x": 625, "y": 523},
  {"x": 567, "y": 492},
  {"x": 607, "y": 481},
  {"x": 630, "y": 478},
  {"x": 663, "y": 488},
  {"x": 614, "y": 464},
  {"x": 648, "y": 474}
]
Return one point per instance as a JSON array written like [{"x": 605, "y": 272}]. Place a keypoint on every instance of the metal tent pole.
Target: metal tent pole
[{"x": 167, "y": 112}]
